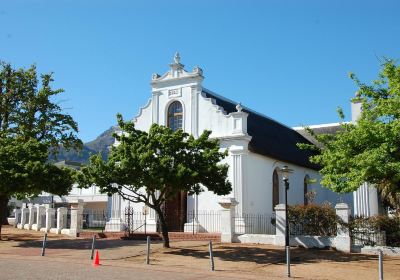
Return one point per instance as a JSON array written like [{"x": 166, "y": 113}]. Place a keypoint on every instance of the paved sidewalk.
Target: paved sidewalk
[
  {"x": 52, "y": 270},
  {"x": 125, "y": 259}
]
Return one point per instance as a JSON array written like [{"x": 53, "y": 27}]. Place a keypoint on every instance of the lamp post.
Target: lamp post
[{"x": 285, "y": 170}]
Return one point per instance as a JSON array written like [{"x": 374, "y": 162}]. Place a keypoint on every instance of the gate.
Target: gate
[{"x": 134, "y": 221}]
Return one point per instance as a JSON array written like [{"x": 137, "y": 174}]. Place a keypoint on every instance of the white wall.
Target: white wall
[
  {"x": 258, "y": 188},
  {"x": 249, "y": 173}
]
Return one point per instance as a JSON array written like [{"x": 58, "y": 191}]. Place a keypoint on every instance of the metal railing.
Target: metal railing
[{"x": 255, "y": 223}]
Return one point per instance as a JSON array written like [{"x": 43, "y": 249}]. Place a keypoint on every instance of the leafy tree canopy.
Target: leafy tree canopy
[
  {"x": 367, "y": 150},
  {"x": 153, "y": 167},
  {"x": 31, "y": 124}
]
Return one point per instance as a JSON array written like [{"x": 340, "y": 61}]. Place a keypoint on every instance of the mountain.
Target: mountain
[{"x": 100, "y": 145}]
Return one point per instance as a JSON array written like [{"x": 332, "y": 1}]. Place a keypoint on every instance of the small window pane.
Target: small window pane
[{"x": 175, "y": 116}]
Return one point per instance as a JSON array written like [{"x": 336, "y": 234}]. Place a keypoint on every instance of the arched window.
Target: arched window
[
  {"x": 275, "y": 189},
  {"x": 306, "y": 179},
  {"x": 175, "y": 116}
]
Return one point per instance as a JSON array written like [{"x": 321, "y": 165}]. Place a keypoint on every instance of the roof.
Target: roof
[
  {"x": 330, "y": 128},
  {"x": 269, "y": 137}
]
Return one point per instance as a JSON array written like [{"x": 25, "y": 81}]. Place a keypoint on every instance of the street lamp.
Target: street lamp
[{"x": 285, "y": 170}]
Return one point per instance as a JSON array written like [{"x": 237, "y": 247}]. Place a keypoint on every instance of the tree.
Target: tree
[
  {"x": 31, "y": 124},
  {"x": 369, "y": 149},
  {"x": 154, "y": 167}
]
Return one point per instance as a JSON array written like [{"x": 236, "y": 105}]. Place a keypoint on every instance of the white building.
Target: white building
[{"x": 258, "y": 145}]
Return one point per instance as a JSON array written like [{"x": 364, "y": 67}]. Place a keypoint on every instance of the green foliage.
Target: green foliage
[
  {"x": 25, "y": 172},
  {"x": 154, "y": 167},
  {"x": 31, "y": 124},
  {"x": 312, "y": 219},
  {"x": 368, "y": 150},
  {"x": 161, "y": 160},
  {"x": 28, "y": 111}
]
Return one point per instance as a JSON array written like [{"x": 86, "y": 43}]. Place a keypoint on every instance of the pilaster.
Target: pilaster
[
  {"x": 155, "y": 106},
  {"x": 115, "y": 224},
  {"x": 194, "y": 109},
  {"x": 238, "y": 177}
]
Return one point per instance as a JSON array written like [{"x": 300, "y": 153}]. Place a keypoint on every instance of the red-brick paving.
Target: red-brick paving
[
  {"x": 187, "y": 236},
  {"x": 173, "y": 236}
]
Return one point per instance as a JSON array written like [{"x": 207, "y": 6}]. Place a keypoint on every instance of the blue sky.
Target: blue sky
[{"x": 286, "y": 59}]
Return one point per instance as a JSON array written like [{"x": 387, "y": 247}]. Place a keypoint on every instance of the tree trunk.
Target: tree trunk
[
  {"x": 164, "y": 228},
  {"x": 3, "y": 210}
]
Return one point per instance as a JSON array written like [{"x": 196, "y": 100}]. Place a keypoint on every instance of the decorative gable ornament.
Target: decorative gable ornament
[{"x": 177, "y": 72}]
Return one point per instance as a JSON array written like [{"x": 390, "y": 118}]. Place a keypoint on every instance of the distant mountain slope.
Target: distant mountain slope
[{"x": 100, "y": 145}]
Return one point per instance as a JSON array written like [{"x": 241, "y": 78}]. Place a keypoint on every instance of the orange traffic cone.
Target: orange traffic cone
[{"x": 96, "y": 259}]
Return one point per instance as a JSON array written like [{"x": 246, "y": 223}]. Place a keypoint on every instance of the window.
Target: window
[
  {"x": 306, "y": 178},
  {"x": 275, "y": 189},
  {"x": 175, "y": 116}
]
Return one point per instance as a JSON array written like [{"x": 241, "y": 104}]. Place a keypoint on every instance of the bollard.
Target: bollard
[
  {"x": 380, "y": 265},
  {"x": 148, "y": 250},
  {"x": 193, "y": 222},
  {"x": 211, "y": 255},
  {"x": 93, "y": 245},
  {"x": 44, "y": 244},
  {"x": 288, "y": 260}
]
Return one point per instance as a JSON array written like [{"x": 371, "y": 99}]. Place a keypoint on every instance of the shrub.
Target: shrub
[
  {"x": 313, "y": 219},
  {"x": 390, "y": 225}
]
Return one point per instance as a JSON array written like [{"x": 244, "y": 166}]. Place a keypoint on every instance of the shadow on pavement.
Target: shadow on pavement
[
  {"x": 271, "y": 255},
  {"x": 81, "y": 244}
]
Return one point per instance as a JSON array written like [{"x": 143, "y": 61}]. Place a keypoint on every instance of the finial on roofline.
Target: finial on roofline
[
  {"x": 177, "y": 58},
  {"x": 239, "y": 107}
]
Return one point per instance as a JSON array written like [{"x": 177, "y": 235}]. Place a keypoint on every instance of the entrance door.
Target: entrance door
[{"x": 175, "y": 212}]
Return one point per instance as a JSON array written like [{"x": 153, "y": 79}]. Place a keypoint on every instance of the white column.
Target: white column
[
  {"x": 115, "y": 224},
  {"x": 17, "y": 215},
  {"x": 342, "y": 240},
  {"x": 76, "y": 218},
  {"x": 356, "y": 108},
  {"x": 24, "y": 217},
  {"x": 50, "y": 213},
  {"x": 365, "y": 200},
  {"x": 40, "y": 211},
  {"x": 280, "y": 214},
  {"x": 32, "y": 212},
  {"x": 61, "y": 220},
  {"x": 228, "y": 219}
]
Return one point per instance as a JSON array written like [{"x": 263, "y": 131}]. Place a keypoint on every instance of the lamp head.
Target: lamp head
[{"x": 285, "y": 170}]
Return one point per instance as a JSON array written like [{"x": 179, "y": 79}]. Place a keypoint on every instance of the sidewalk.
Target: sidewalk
[{"x": 185, "y": 260}]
